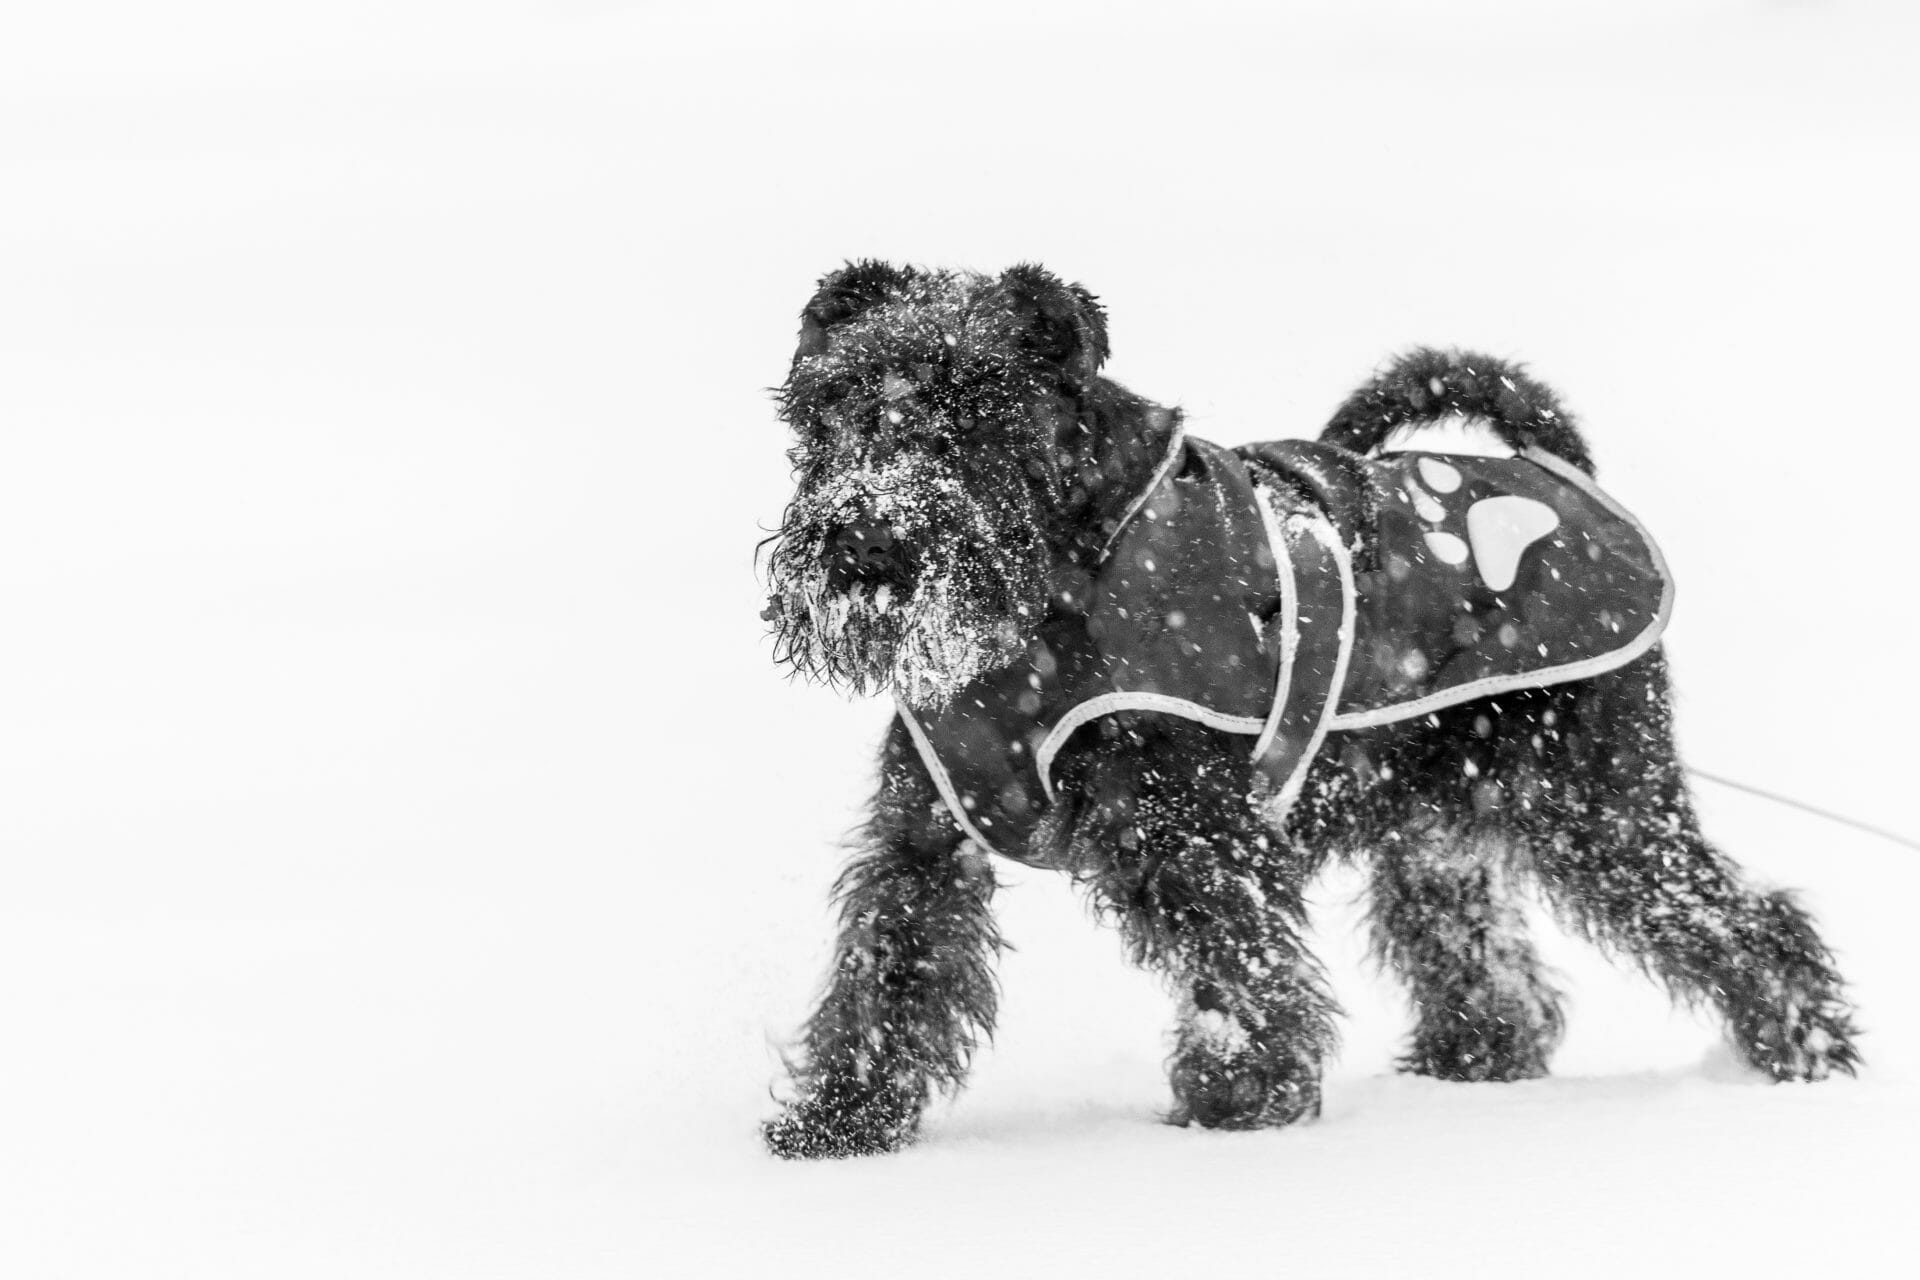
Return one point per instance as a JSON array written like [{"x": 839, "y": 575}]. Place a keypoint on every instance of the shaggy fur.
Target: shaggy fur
[{"x": 961, "y": 464}]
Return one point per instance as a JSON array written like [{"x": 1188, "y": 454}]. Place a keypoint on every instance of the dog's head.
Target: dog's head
[{"x": 938, "y": 418}]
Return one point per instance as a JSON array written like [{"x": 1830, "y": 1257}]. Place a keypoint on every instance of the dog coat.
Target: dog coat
[{"x": 1339, "y": 593}]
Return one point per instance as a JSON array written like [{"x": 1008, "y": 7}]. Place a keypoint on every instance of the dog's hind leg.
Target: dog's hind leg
[
  {"x": 912, "y": 989},
  {"x": 1619, "y": 850},
  {"x": 1162, "y": 824},
  {"x": 1639, "y": 878},
  {"x": 1444, "y": 916}
]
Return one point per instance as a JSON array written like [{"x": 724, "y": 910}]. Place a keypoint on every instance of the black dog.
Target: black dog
[{"x": 1188, "y": 676}]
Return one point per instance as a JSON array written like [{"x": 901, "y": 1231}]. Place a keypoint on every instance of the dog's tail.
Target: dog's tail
[{"x": 1425, "y": 386}]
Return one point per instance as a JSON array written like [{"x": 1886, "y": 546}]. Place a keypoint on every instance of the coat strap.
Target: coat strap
[{"x": 1321, "y": 647}]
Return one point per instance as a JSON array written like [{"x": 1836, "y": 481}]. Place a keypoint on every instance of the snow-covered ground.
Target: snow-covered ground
[{"x": 409, "y": 855}]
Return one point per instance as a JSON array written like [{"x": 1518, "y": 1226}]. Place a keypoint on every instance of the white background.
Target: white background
[{"x": 409, "y": 854}]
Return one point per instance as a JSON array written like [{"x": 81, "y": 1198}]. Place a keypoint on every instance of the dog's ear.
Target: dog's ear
[
  {"x": 843, "y": 295},
  {"x": 1063, "y": 323}
]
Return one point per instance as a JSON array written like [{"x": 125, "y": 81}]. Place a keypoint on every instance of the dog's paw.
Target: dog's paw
[
  {"x": 1242, "y": 1090},
  {"x": 1487, "y": 1049},
  {"x": 1812, "y": 1041},
  {"x": 809, "y": 1131}
]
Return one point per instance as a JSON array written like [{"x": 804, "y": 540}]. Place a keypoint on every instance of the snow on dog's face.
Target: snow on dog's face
[{"x": 928, "y": 409}]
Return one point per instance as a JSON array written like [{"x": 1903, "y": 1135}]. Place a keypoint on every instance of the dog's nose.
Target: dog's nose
[{"x": 866, "y": 552}]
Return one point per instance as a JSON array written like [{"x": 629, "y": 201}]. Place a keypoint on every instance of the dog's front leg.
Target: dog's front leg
[
  {"x": 1166, "y": 829},
  {"x": 912, "y": 988}
]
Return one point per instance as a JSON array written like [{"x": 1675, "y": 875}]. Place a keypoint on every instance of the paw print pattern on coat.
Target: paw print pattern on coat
[
  {"x": 1499, "y": 528},
  {"x": 1439, "y": 476}
]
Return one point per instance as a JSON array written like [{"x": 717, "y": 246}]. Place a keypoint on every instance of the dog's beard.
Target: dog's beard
[{"x": 972, "y": 594}]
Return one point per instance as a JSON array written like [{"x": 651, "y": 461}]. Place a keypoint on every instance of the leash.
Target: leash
[{"x": 1804, "y": 807}]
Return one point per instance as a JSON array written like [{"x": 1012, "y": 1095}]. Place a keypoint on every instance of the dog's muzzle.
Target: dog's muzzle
[{"x": 865, "y": 552}]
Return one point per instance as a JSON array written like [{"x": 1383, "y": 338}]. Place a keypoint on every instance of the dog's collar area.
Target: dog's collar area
[{"x": 1176, "y": 444}]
